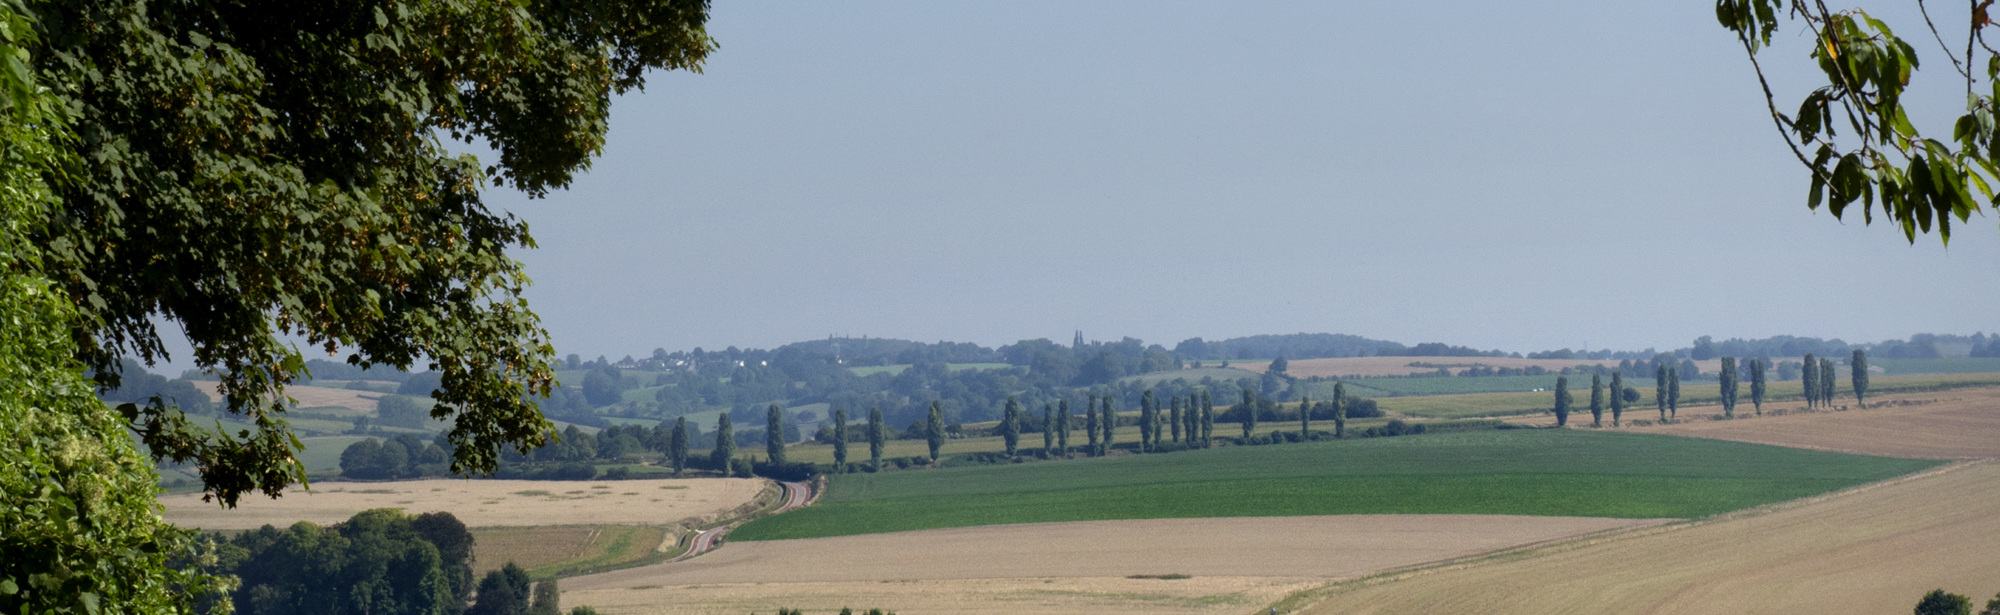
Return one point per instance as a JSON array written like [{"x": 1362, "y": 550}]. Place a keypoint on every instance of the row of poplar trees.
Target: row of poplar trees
[{"x": 1819, "y": 385}]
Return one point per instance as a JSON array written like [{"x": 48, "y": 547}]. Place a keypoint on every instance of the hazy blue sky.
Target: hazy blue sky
[{"x": 1520, "y": 176}]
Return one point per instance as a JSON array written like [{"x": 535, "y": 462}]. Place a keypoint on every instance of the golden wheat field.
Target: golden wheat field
[
  {"x": 1872, "y": 549},
  {"x": 1234, "y": 563},
  {"x": 479, "y": 503},
  {"x": 1954, "y": 424}
]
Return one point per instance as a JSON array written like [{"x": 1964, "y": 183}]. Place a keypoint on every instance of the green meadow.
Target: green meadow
[{"x": 1521, "y": 472}]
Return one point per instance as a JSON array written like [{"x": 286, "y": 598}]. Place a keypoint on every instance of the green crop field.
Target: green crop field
[
  {"x": 1960, "y": 365},
  {"x": 1523, "y": 472}
]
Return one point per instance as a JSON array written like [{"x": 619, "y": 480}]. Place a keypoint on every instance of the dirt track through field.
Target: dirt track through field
[
  {"x": 1875, "y": 549},
  {"x": 1957, "y": 424},
  {"x": 479, "y": 503},
  {"x": 1256, "y": 552}
]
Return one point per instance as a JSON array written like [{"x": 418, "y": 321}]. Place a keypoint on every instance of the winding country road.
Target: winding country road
[{"x": 797, "y": 495}]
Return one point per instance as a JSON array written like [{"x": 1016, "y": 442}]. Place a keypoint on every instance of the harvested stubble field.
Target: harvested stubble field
[
  {"x": 548, "y": 551},
  {"x": 1955, "y": 424},
  {"x": 1062, "y": 567},
  {"x": 479, "y": 503},
  {"x": 1035, "y": 596},
  {"x": 1875, "y": 549},
  {"x": 1517, "y": 472},
  {"x": 312, "y": 397}
]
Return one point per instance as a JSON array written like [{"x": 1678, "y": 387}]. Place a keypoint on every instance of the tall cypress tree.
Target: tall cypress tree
[
  {"x": 839, "y": 439},
  {"x": 774, "y": 434},
  {"x": 1827, "y": 383},
  {"x": 1090, "y": 427},
  {"x": 1811, "y": 380},
  {"x": 725, "y": 444},
  {"x": 934, "y": 429},
  {"x": 1176, "y": 419},
  {"x": 1858, "y": 368},
  {"x": 1674, "y": 393},
  {"x": 1148, "y": 406},
  {"x": 1305, "y": 418},
  {"x": 877, "y": 433},
  {"x": 1617, "y": 398},
  {"x": 1010, "y": 425},
  {"x": 1062, "y": 426},
  {"x": 1207, "y": 418},
  {"x": 1562, "y": 400},
  {"x": 1108, "y": 420},
  {"x": 1660, "y": 389},
  {"x": 1596, "y": 400},
  {"x": 677, "y": 446},
  {"x": 1757, "y": 367},
  {"x": 1727, "y": 382},
  {"x": 1249, "y": 406},
  {"x": 1048, "y": 429},
  {"x": 1339, "y": 410},
  {"x": 1193, "y": 416}
]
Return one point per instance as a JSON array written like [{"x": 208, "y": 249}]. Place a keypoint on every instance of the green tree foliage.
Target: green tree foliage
[
  {"x": 1107, "y": 420},
  {"x": 379, "y": 561},
  {"x": 1940, "y": 602},
  {"x": 1757, "y": 375},
  {"x": 252, "y": 174},
  {"x": 1673, "y": 392},
  {"x": 1249, "y": 409},
  {"x": 400, "y": 411},
  {"x": 1207, "y": 418},
  {"x": 1010, "y": 425},
  {"x": 1305, "y": 418},
  {"x": 1811, "y": 384},
  {"x": 677, "y": 446},
  {"x": 548, "y": 598},
  {"x": 1048, "y": 429},
  {"x": 1562, "y": 400},
  {"x": 1827, "y": 381},
  {"x": 774, "y": 434},
  {"x": 503, "y": 592},
  {"x": 1278, "y": 365},
  {"x": 1148, "y": 411},
  {"x": 877, "y": 433},
  {"x": 1176, "y": 419},
  {"x": 1660, "y": 390},
  {"x": 1339, "y": 410},
  {"x": 1090, "y": 426},
  {"x": 934, "y": 430},
  {"x": 1062, "y": 426},
  {"x": 1596, "y": 400},
  {"x": 79, "y": 529},
  {"x": 725, "y": 443},
  {"x": 1858, "y": 370},
  {"x": 1920, "y": 182},
  {"x": 603, "y": 387},
  {"x": 839, "y": 439},
  {"x": 1617, "y": 398},
  {"x": 1727, "y": 382}
]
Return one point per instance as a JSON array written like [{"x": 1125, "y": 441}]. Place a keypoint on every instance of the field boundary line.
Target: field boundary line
[{"x": 1311, "y": 596}]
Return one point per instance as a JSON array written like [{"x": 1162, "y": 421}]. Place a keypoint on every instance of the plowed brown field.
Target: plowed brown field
[
  {"x": 1956, "y": 424},
  {"x": 1236, "y": 563},
  {"x": 1874, "y": 549},
  {"x": 480, "y": 503}
]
